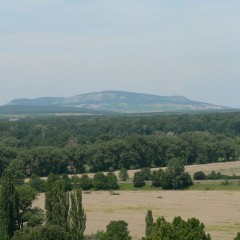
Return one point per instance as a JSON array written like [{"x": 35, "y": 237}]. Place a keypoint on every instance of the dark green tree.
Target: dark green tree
[
  {"x": 123, "y": 174},
  {"x": 7, "y": 154},
  {"x": 77, "y": 216},
  {"x": 17, "y": 167},
  {"x": 37, "y": 183},
  {"x": 117, "y": 230},
  {"x": 85, "y": 182},
  {"x": 9, "y": 205},
  {"x": 33, "y": 217},
  {"x": 179, "y": 229},
  {"x": 149, "y": 222},
  {"x": 27, "y": 215},
  {"x": 200, "y": 175},
  {"x": 138, "y": 180},
  {"x": 57, "y": 202},
  {"x": 175, "y": 177},
  {"x": 67, "y": 181},
  {"x": 75, "y": 180},
  {"x": 157, "y": 178},
  {"x": 161, "y": 229},
  {"x": 95, "y": 236},
  {"x": 146, "y": 172},
  {"x": 112, "y": 182},
  {"x": 100, "y": 181},
  {"x": 47, "y": 232}
]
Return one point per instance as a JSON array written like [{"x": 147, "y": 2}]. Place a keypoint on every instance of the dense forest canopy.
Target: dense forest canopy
[{"x": 74, "y": 144}]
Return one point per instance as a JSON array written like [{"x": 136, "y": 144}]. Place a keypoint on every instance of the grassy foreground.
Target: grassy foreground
[
  {"x": 230, "y": 185},
  {"x": 130, "y": 187},
  {"x": 216, "y": 185}
]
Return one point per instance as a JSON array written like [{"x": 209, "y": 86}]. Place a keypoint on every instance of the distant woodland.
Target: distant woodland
[{"x": 79, "y": 144}]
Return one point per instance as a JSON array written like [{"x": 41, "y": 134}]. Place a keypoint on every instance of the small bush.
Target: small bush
[
  {"x": 138, "y": 180},
  {"x": 199, "y": 175},
  {"x": 123, "y": 174}
]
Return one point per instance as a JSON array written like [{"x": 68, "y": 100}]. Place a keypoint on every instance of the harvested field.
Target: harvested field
[
  {"x": 218, "y": 210},
  {"x": 227, "y": 168}
]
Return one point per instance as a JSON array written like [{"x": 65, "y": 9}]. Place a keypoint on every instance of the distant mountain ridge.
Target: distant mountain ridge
[
  {"x": 121, "y": 101},
  {"x": 43, "y": 101}
]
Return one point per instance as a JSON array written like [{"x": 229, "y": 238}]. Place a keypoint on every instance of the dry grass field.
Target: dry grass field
[
  {"x": 228, "y": 168},
  {"x": 218, "y": 210}
]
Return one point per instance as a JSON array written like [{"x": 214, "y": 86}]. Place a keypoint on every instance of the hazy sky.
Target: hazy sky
[{"x": 164, "y": 47}]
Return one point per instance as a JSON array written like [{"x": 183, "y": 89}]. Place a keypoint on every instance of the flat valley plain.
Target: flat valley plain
[{"x": 218, "y": 210}]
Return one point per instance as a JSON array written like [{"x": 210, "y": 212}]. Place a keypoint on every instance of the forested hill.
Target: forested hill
[{"x": 120, "y": 101}]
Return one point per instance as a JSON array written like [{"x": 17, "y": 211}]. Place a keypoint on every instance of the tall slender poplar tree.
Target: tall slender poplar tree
[
  {"x": 77, "y": 216},
  {"x": 57, "y": 203},
  {"x": 149, "y": 222},
  {"x": 8, "y": 206}
]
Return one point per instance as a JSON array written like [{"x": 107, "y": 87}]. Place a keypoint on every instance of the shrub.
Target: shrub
[
  {"x": 174, "y": 177},
  {"x": 146, "y": 173},
  {"x": 138, "y": 180},
  {"x": 123, "y": 174},
  {"x": 100, "y": 181},
  {"x": 157, "y": 178},
  {"x": 48, "y": 232},
  {"x": 192, "y": 229},
  {"x": 112, "y": 182},
  {"x": 117, "y": 230},
  {"x": 199, "y": 175},
  {"x": 85, "y": 182}
]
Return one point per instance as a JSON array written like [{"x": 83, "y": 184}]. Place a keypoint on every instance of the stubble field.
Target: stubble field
[
  {"x": 218, "y": 210},
  {"x": 227, "y": 168}
]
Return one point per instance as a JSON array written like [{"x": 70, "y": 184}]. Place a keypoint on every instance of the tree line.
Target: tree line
[
  {"x": 130, "y": 152},
  {"x": 68, "y": 130},
  {"x": 99, "y": 143},
  {"x": 200, "y": 175},
  {"x": 174, "y": 177}
]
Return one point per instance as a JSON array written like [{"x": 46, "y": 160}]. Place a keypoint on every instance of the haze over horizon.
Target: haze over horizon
[{"x": 65, "y": 48}]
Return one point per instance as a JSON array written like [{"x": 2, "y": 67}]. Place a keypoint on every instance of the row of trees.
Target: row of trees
[
  {"x": 129, "y": 152},
  {"x": 174, "y": 177},
  {"x": 200, "y": 175},
  {"x": 179, "y": 229},
  {"x": 100, "y": 181}
]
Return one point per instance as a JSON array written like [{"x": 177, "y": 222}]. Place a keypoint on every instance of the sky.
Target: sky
[{"x": 68, "y": 47}]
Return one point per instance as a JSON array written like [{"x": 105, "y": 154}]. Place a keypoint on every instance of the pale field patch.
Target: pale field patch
[
  {"x": 227, "y": 168},
  {"x": 218, "y": 210}
]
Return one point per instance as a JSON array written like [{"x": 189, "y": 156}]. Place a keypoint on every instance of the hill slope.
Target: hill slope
[{"x": 120, "y": 101}]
